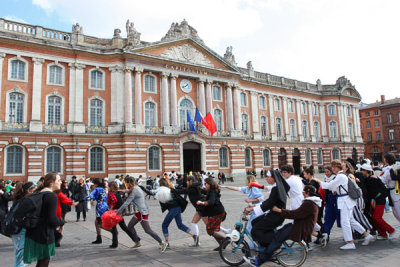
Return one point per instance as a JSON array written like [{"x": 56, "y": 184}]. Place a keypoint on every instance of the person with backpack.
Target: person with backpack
[
  {"x": 345, "y": 204},
  {"x": 39, "y": 238}
]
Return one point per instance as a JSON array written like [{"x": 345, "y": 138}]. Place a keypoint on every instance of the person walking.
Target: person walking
[
  {"x": 392, "y": 183},
  {"x": 331, "y": 211},
  {"x": 80, "y": 194}
]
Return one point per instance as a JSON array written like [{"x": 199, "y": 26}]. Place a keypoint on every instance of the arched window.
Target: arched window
[
  {"x": 17, "y": 69},
  {"x": 16, "y": 108},
  {"x": 185, "y": 107},
  {"x": 245, "y": 124},
  {"x": 262, "y": 102},
  {"x": 54, "y": 110},
  {"x": 96, "y": 159},
  {"x": 55, "y": 74},
  {"x": 96, "y": 112},
  {"x": 277, "y": 104},
  {"x": 351, "y": 130},
  {"x": 303, "y": 108},
  {"x": 149, "y": 114},
  {"x": 217, "y": 93},
  {"x": 292, "y": 128},
  {"x": 149, "y": 83},
  {"x": 14, "y": 160},
  {"x": 243, "y": 100},
  {"x": 308, "y": 157},
  {"x": 247, "y": 154},
  {"x": 290, "y": 106},
  {"x": 331, "y": 110},
  {"x": 333, "y": 129},
  {"x": 96, "y": 79},
  {"x": 278, "y": 127},
  {"x": 154, "y": 158},
  {"x": 53, "y": 158},
  {"x": 218, "y": 119},
  {"x": 319, "y": 157},
  {"x": 335, "y": 154},
  {"x": 263, "y": 123},
  {"x": 305, "y": 129},
  {"x": 267, "y": 157},
  {"x": 223, "y": 157},
  {"x": 316, "y": 129}
]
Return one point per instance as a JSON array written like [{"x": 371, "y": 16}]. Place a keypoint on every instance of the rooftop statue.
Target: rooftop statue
[
  {"x": 132, "y": 34},
  {"x": 229, "y": 56},
  {"x": 181, "y": 30}
]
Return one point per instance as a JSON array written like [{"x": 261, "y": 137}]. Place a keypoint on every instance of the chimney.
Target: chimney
[{"x": 382, "y": 99}]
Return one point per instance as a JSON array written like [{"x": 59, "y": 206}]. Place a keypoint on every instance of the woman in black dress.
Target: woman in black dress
[{"x": 79, "y": 195}]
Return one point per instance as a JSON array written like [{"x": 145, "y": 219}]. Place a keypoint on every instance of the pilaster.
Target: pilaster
[
  {"x": 208, "y": 96},
  {"x": 201, "y": 97},
  {"x": 173, "y": 106},
  {"x": 35, "y": 124},
  {"x": 164, "y": 100},
  {"x": 2, "y": 56}
]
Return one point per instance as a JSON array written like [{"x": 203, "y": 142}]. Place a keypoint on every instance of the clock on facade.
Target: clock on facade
[{"x": 186, "y": 86}]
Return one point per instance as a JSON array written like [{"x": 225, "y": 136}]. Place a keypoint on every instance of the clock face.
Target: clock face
[{"x": 186, "y": 86}]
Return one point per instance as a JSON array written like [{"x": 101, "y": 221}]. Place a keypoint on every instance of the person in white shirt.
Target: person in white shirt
[
  {"x": 118, "y": 180},
  {"x": 296, "y": 187},
  {"x": 390, "y": 183},
  {"x": 345, "y": 205}
]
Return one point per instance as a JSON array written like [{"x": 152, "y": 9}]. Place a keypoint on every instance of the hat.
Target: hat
[
  {"x": 268, "y": 174},
  {"x": 311, "y": 190},
  {"x": 87, "y": 179},
  {"x": 9, "y": 181},
  {"x": 105, "y": 179},
  {"x": 352, "y": 162},
  {"x": 366, "y": 167},
  {"x": 74, "y": 177}
]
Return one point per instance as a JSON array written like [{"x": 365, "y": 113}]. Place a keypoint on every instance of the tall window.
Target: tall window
[
  {"x": 218, "y": 119},
  {"x": 277, "y": 104},
  {"x": 292, "y": 128},
  {"x": 263, "y": 126},
  {"x": 55, "y": 74},
  {"x": 149, "y": 114},
  {"x": 375, "y": 149},
  {"x": 243, "y": 100},
  {"x": 96, "y": 79},
  {"x": 315, "y": 109},
  {"x": 96, "y": 159},
  {"x": 303, "y": 108},
  {"x": 184, "y": 108},
  {"x": 316, "y": 129},
  {"x": 376, "y": 123},
  {"x": 369, "y": 137},
  {"x": 348, "y": 111},
  {"x": 149, "y": 83},
  {"x": 247, "y": 155},
  {"x": 391, "y": 134},
  {"x": 154, "y": 158},
  {"x": 378, "y": 136},
  {"x": 262, "y": 102},
  {"x": 308, "y": 157},
  {"x": 333, "y": 129},
  {"x": 16, "y": 107},
  {"x": 217, "y": 93},
  {"x": 290, "y": 106},
  {"x": 331, "y": 110},
  {"x": 319, "y": 156},
  {"x": 367, "y": 114},
  {"x": 245, "y": 123},
  {"x": 96, "y": 112},
  {"x": 267, "y": 157},
  {"x": 351, "y": 130},
  {"x": 278, "y": 127},
  {"x": 335, "y": 154},
  {"x": 368, "y": 124},
  {"x": 53, "y": 156},
  {"x": 223, "y": 157},
  {"x": 18, "y": 69},
  {"x": 305, "y": 129},
  {"x": 390, "y": 118},
  {"x": 54, "y": 110},
  {"x": 14, "y": 160}
]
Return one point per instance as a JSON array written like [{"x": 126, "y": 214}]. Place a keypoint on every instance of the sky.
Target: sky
[{"x": 304, "y": 40}]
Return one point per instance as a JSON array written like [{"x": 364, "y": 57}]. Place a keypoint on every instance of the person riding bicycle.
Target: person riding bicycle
[{"x": 305, "y": 218}]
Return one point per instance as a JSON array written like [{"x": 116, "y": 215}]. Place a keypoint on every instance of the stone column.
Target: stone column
[
  {"x": 299, "y": 121},
  {"x": 164, "y": 100},
  {"x": 79, "y": 93},
  {"x": 71, "y": 116},
  {"x": 208, "y": 97},
  {"x": 323, "y": 122},
  {"x": 75, "y": 124},
  {"x": 35, "y": 124},
  {"x": 341, "y": 120},
  {"x": 118, "y": 96},
  {"x": 2, "y": 56},
  {"x": 285, "y": 117},
  {"x": 310, "y": 117},
  {"x": 229, "y": 107},
  {"x": 138, "y": 96},
  {"x": 357, "y": 129},
  {"x": 346, "y": 124},
  {"x": 271, "y": 117},
  {"x": 201, "y": 97},
  {"x": 236, "y": 108},
  {"x": 173, "y": 107},
  {"x": 128, "y": 99},
  {"x": 254, "y": 115}
]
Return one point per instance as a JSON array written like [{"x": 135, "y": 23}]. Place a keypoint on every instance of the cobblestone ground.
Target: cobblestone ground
[{"x": 76, "y": 248}]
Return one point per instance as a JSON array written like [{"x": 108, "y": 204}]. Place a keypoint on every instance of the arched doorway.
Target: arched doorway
[
  {"x": 191, "y": 157},
  {"x": 296, "y": 161},
  {"x": 282, "y": 157},
  {"x": 354, "y": 155}
]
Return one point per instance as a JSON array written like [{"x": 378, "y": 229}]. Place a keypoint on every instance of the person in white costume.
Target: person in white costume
[
  {"x": 391, "y": 184},
  {"x": 296, "y": 187}
]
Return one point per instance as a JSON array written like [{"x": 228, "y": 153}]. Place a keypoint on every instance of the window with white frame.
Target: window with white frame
[
  {"x": 316, "y": 129},
  {"x": 96, "y": 159},
  {"x": 376, "y": 112},
  {"x": 348, "y": 111},
  {"x": 389, "y": 118},
  {"x": 331, "y": 110},
  {"x": 14, "y": 160},
  {"x": 368, "y": 124},
  {"x": 223, "y": 157},
  {"x": 53, "y": 159},
  {"x": 243, "y": 99},
  {"x": 369, "y": 136},
  {"x": 290, "y": 106},
  {"x": 376, "y": 123},
  {"x": 278, "y": 127},
  {"x": 96, "y": 112},
  {"x": 149, "y": 83},
  {"x": 378, "y": 136},
  {"x": 245, "y": 123},
  {"x": 333, "y": 133},
  {"x": 319, "y": 157},
  {"x": 308, "y": 157},
  {"x": 16, "y": 107},
  {"x": 399, "y": 116},
  {"x": 277, "y": 104},
  {"x": 305, "y": 129},
  {"x": 185, "y": 107},
  {"x": 263, "y": 122},
  {"x": 335, "y": 154},
  {"x": 154, "y": 158},
  {"x": 391, "y": 134},
  {"x": 149, "y": 114},
  {"x": 54, "y": 110},
  {"x": 263, "y": 104},
  {"x": 315, "y": 109},
  {"x": 292, "y": 128},
  {"x": 217, "y": 93},
  {"x": 55, "y": 75},
  {"x": 351, "y": 130},
  {"x": 96, "y": 79},
  {"x": 367, "y": 114},
  {"x": 18, "y": 69},
  {"x": 247, "y": 153},
  {"x": 267, "y": 157},
  {"x": 303, "y": 108},
  {"x": 218, "y": 119}
]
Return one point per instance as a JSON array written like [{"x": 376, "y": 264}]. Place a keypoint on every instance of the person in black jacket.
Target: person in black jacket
[
  {"x": 40, "y": 241},
  {"x": 64, "y": 207},
  {"x": 79, "y": 195}
]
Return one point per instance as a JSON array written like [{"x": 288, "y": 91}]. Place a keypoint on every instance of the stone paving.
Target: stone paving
[{"x": 76, "y": 248}]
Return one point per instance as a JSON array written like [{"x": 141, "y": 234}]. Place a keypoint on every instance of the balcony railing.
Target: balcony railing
[
  {"x": 295, "y": 139},
  {"x": 96, "y": 129},
  {"x": 153, "y": 130},
  {"x": 266, "y": 137},
  {"x": 223, "y": 133},
  {"x": 16, "y": 126},
  {"x": 281, "y": 138},
  {"x": 54, "y": 128},
  {"x": 334, "y": 139}
]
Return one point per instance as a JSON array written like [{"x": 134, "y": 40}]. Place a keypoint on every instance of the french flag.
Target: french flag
[{"x": 199, "y": 118}]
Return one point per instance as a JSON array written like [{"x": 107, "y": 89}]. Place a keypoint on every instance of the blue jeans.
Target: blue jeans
[
  {"x": 174, "y": 213},
  {"x": 331, "y": 213},
  {"x": 280, "y": 236},
  {"x": 19, "y": 241}
]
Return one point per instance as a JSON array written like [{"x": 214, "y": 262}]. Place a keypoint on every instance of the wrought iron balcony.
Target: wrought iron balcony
[
  {"x": 154, "y": 130},
  {"x": 334, "y": 139},
  {"x": 54, "y": 128},
  {"x": 96, "y": 129},
  {"x": 16, "y": 126}
]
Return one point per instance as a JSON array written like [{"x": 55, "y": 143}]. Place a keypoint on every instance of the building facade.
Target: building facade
[{"x": 93, "y": 107}]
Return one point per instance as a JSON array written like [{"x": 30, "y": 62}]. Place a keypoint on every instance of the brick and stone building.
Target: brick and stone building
[{"x": 93, "y": 107}]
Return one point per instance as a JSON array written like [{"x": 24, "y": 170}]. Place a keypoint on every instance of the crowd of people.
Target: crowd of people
[{"x": 350, "y": 194}]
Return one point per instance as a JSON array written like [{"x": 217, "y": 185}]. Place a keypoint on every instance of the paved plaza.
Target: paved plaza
[{"x": 76, "y": 248}]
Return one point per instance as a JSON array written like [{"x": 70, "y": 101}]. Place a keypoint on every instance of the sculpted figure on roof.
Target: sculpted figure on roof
[{"x": 181, "y": 30}]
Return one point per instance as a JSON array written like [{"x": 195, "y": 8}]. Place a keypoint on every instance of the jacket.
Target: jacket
[
  {"x": 136, "y": 197},
  {"x": 213, "y": 204},
  {"x": 62, "y": 198}
]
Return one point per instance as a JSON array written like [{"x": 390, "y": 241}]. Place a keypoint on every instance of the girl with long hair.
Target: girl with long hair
[{"x": 80, "y": 194}]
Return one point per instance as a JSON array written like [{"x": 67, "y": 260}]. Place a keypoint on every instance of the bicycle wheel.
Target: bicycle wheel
[
  {"x": 292, "y": 254},
  {"x": 232, "y": 252}
]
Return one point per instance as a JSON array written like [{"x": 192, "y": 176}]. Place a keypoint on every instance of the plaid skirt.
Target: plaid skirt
[{"x": 214, "y": 223}]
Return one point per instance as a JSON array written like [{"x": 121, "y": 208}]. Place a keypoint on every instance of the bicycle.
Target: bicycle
[{"x": 234, "y": 247}]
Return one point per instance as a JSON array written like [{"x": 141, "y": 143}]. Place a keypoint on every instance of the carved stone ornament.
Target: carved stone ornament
[
  {"x": 76, "y": 28},
  {"x": 54, "y": 141},
  {"x": 186, "y": 53},
  {"x": 229, "y": 56},
  {"x": 96, "y": 141},
  {"x": 15, "y": 140},
  {"x": 132, "y": 34},
  {"x": 117, "y": 33},
  {"x": 181, "y": 30},
  {"x": 342, "y": 82}
]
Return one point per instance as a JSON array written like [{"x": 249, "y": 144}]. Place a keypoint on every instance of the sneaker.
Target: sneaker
[
  {"x": 216, "y": 249},
  {"x": 367, "y": 240},
  {"x": 379, "y": 237},
  {"x": 324, "y": 240},
  {"x": 163, "y": 246},
  {"x": 137, "y": 245},
  {"x": 391, "y": 235},
  {"x": 348, "y": 246},
  {"x": 195, "y": 241},
  {"x": 252, "y": 261}
]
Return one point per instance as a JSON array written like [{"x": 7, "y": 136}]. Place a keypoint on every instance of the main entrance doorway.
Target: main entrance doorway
[
  {"x": 282, "y": 157},
  {"x": 296, "y": 161},
  {"x": 191, "y": 157}
]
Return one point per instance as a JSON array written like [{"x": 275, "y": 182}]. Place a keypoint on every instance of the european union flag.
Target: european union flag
[{"x": 192, "y": 127}]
